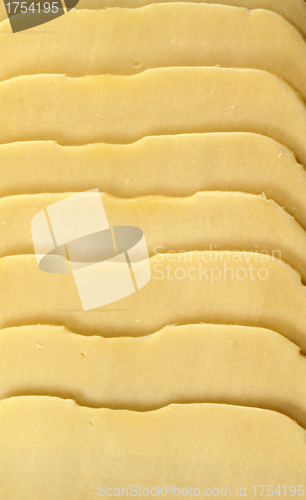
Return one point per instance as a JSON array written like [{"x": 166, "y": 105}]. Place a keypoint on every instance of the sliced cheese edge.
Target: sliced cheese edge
[
  {"x": 176, "y": 445},
  {"x": 295, "y": 11},
  {"x": 127, "y": 41},
  {"x": 178, "y": 165},
  {"x": 122, "y": 109},
  {"x": 213, "y": 287},
  {"x": 201, "y": 363},
  {"x": 205, "y": 221}
]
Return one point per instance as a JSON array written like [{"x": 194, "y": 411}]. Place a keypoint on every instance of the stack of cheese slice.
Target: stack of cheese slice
[{"x": 190, "y": 118}]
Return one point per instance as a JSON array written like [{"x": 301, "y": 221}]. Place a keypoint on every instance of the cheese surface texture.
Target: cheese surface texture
[
  {"x": 153, "y": 250},
  {"x": 212, "y": 287},
  {"x": 163, "y": 447},
  {"x": 205, "y": 221},
  {"x": 107, "y": 108},
  {"x": 128, "y": 41},
  {"x": 201, "y": 363},
  {"x": 294, "y": 11},
  {"x": 178, "y": 165}
]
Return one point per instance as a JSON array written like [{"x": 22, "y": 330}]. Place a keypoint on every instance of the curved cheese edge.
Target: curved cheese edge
[
  {"x": 178, "y": 165},
  {"x": 213, "y": 287},
  {"x": 205, "y": 221},
  {"x": 127, "y": 41},
  {"x": 202, "y": 364},
  {"x": 122, "y": 109},
  {"x": 295, "y": 11},
  {"x": 72, "y": 450}
]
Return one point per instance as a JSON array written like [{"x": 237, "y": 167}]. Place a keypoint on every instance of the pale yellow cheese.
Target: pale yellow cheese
[
  {"x": 59, "y": 450},
  {"x": 122, "y": 109},
  {"x": 177, "y": 165},
  {"x": 212, "y": 287},
  {"x": 205, "y": 221},
  {"x": 52, "y": 448},
  {"x": 127, "y": 41},
  {"x": 184, "y": 364},
  {"x": 293, "y": 10}
]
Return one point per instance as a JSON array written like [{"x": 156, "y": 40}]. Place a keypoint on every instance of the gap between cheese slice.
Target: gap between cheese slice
[
  {"x": 127, "y": 41},
  {"x": 213, "y": 287},
  {"x": 201, "y": 364},
  {"x": 294, "y": 11},
  {"x": 70, "y": 451},
  {"x": 178, "y": 165},
  {"x": 205, "y": 221},
  {"x": 122, "y": 109}
]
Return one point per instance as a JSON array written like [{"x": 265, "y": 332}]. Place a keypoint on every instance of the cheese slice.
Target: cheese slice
[
  {"x": 213, "y": 287},
  {"x": 295, "y": 11},
  {"x": 78, "y": 452},
  {"x": 122, "y": 109},
  {"x": 178, "y": 165},
  {"x": 201, "y": 363},
  {"x": 205, "y": 221},
  {"x": 127, "y": 41}
]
